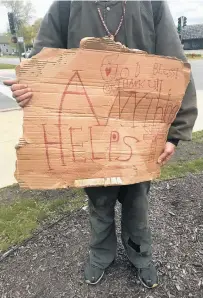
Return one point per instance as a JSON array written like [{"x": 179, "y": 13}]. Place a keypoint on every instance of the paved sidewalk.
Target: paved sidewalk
[
  {"x": 199, "y": 123},
  {"x": 11, "y": 131}
]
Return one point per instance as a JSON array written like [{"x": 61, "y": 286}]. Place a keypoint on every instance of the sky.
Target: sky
[{"x": 192, "y": 9}]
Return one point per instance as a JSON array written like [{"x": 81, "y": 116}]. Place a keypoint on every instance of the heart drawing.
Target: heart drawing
[{"x": 108, "y": 71}]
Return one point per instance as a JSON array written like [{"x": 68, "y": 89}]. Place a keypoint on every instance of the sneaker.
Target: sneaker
[
  {"x": 93, "y": 274},
  {"x": 148, "y": 276}
]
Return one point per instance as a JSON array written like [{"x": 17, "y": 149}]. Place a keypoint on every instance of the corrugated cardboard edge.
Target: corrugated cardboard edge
[
  {"x": 22, "y": 142},
  {"x": 102, "y": 44},
  {"x": 108, "y": 45},
  {"x": 82, "y": 183},
  {"x": 98, "y": 182}
]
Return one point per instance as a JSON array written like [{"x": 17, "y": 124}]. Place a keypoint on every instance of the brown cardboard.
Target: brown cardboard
[{"x": 99, "y": 115}]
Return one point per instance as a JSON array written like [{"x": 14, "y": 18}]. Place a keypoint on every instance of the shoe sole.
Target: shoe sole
[
  {"x": 96, "y": 282},
  {"x": 153, "y": 287}
]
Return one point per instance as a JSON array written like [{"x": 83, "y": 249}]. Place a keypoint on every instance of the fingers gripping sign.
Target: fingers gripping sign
[{"x": 21, "y": 92}]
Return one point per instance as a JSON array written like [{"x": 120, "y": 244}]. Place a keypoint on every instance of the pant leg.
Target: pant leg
[
  {"x": 103, "y": 242},
  {"x": 136, "y": 235}
]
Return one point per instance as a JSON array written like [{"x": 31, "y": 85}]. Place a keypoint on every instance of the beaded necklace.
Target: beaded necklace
[{"x": 112, "y": 36}]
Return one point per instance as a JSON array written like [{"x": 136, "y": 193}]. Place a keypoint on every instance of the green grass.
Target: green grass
[
  {"x": 20, "y": 219},
  {"x": 181, "y": 169},
  {"x": 197, "y": 137},
  {"x": 7, "y": 66},
  {"x": 195, "y": 58}
]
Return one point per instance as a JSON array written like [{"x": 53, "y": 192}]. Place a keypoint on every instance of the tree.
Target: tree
[
  {"x": 23, "y": 12},
  {"x": 36, "y": 27},
  {"x": 26, "y": 32},
  {"x": 29, "y": 32}
]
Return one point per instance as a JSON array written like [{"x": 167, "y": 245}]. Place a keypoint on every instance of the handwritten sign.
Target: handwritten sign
[{"x": 97, "y": 117}]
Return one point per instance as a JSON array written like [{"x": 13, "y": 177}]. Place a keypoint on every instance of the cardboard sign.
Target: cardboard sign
[{"x": 99, "y": 115}]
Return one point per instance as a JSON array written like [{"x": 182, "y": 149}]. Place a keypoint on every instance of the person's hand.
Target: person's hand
[
  {"x": 168, "y": 152},
  {"x": 21, "y": 92}
]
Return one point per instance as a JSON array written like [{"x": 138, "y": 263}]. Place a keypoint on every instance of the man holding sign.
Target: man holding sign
[{"x": 144, "y": 25}]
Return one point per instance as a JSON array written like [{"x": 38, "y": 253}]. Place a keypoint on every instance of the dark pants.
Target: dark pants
[{"x": 136, "y": 236}]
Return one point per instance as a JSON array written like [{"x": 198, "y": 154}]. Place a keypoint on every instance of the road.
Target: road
[
  {"x": 6, "y": 100},
  {"x": 13, "y": 61},
  {"x": 197, "y": 71}
]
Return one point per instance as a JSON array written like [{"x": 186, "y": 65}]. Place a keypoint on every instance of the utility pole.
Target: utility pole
[{"x": 12, "y": 26}]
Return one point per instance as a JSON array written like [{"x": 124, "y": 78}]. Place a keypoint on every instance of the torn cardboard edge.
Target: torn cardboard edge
[
  {"x": 107, "y": 44},
  {"x": 103, "y": 45}
]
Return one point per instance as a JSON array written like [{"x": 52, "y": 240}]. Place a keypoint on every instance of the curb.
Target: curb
[
  {"x": 11, "y": 109},
  {"x": 10, "y": 185}
]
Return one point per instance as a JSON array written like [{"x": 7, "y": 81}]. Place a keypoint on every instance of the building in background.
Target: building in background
[
  {"x": 192, "y": 37},
  {"x": 6, "y": 48}
]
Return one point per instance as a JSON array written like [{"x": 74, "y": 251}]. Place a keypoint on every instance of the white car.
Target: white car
[{"x": 26, "y": 54}]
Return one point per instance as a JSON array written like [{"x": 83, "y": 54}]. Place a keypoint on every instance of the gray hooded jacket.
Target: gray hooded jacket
[{"x": 147, "y": 28}]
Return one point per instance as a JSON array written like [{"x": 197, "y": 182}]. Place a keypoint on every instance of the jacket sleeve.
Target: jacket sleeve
[
  {"x": 168, "y": 44},
  {"x": 49, "y": 34}
]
